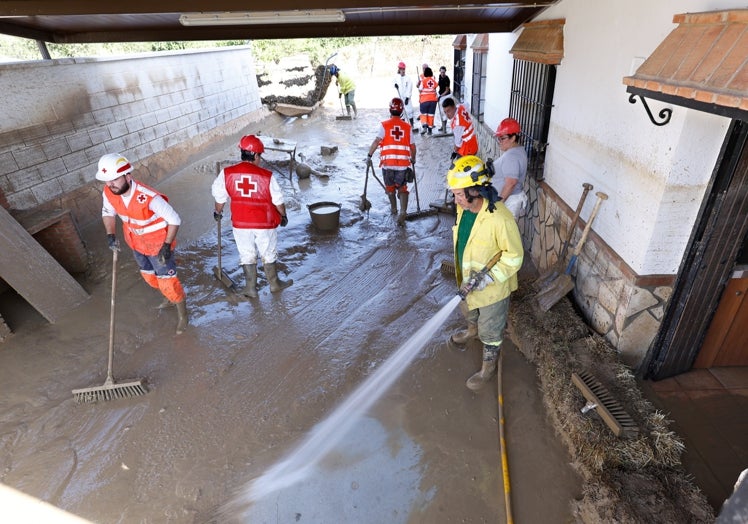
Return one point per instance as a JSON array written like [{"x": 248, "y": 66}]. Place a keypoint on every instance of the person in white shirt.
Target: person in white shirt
[{"x": 404, "y": 86}]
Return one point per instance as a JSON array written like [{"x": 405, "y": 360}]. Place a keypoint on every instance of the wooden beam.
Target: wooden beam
[{"x": 34, "y": 274}]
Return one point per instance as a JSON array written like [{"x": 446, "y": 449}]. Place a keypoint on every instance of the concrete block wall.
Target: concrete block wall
[
  {"x": 161, "y": 110},
  {"x": 623, "y": 307}
]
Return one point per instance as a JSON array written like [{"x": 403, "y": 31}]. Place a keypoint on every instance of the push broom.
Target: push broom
[{"x": 110, "y": 390}]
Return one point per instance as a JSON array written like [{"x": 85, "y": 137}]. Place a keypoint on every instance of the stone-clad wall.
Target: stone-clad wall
[
  {"x": 623, "y": 307},
  {"x": 160, "y": 110}
]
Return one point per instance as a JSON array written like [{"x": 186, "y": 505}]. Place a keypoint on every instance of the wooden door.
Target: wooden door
[{"x": 726, "y": 341}]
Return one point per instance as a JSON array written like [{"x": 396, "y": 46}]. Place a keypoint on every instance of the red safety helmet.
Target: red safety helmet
[
  {"x": 401, "y": 65},
  {"x": 396, "y": 107},
  {"x": 508, "y": 126},
  {"x": 252, "y": 144}
]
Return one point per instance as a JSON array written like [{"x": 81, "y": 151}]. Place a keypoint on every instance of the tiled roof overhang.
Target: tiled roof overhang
[
  {"x": 702, "y": 64},
  {"x": 541, "y": 42}
]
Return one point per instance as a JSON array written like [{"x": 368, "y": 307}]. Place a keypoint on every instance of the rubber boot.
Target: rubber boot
[
  {"x": 443, "y": 128},
  {"x": 411, "y": 122},
  {"x": 355, "y": 111},
  {"x": 250, "y": 276},
  {"x": 276, "y": 284},
  {"x": 165, "y": 304},
  {"x": 348, "y": 109},
  {"x": 431, "y": 130},
  {"x": 462, "y": 337},
  {"x": 393, "y": 203},
  {"x": 486, "y": 372},
  {"x": 181, "y": 317},
  {"x": 403, "y": 208}
]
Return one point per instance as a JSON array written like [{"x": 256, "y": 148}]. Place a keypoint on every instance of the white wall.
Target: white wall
[
  {"x": 655, "y": 176},
  {"x": 60, "y": 116}
]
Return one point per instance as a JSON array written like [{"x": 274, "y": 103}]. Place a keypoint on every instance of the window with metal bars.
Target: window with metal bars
[
  {"x": 530, "y": 104},
  {"x": 458, "y": 75},
  {"x": 478, "y": 99}
]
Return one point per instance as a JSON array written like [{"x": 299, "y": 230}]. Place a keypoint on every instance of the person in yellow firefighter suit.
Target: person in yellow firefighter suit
[
  {"x": 346, "y": 88},
  {"x": 483, "y": 228}
]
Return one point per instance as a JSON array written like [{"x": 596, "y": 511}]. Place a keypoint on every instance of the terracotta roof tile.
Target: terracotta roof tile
[
  {"x": 705, "y": 58},
  {"x": 541, "y": 42}
]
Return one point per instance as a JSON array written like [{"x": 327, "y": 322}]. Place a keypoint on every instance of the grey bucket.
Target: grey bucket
[{"x": 325, "y": 215}]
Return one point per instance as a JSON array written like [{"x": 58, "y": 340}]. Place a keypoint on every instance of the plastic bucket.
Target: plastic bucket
[{"x": 325, "y": 215}]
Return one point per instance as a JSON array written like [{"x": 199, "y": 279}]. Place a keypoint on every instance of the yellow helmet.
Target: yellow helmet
[{"x": 467, "y": 171}]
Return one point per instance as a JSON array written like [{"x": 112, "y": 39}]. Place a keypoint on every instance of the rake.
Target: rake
[{"x": 110, "y": 390}]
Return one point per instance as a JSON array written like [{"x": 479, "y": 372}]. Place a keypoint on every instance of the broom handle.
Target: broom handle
[
  {"x": 109, "y": 378},
  {"x": 582, "y": 199},
  {"x": 415, "y": 181},
  {"x": 600, "y": 197},
  {"x": 220, "y": 267}
]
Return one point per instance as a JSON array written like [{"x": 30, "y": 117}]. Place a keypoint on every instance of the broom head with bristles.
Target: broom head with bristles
[{"x": 109, "y": 391}]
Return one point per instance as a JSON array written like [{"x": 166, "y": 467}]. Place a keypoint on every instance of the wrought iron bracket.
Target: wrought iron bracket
[{"x": 664, "y": 114}]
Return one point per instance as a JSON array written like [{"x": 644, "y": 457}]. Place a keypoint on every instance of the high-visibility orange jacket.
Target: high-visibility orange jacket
[
  {"x": 463, "y": 122},
  {"x": 396, "y": 144},
  {"x": 144, "y": 231},
  {"x": 429, "y": 86}
]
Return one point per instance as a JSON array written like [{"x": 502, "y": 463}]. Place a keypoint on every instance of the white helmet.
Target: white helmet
[{"x": 111, "y": 166}]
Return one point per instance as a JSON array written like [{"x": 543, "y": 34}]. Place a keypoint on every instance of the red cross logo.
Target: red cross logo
[
  {"x": 397, "y": 133},
  {"x": 246, "y": 186},
  {"x": 141, "y": 198}
]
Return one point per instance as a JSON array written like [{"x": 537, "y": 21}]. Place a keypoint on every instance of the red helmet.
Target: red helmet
[
  {"x": 252, "y": 144},
  {"x": 401, "y": 65},
  {"x": 508, "y": 126},
  {"x": 396, "y": 107}
]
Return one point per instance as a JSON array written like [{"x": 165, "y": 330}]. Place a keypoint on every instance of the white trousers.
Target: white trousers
[{"x": 265, "y": 240}]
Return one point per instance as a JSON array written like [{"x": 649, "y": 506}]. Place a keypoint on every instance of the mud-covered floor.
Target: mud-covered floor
[{"x": 249, "y": 379}]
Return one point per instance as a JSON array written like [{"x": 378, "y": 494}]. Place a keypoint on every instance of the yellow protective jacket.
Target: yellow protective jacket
[
  {"x": 491, "y": 233},
  {"x": 345, "y": 84}
]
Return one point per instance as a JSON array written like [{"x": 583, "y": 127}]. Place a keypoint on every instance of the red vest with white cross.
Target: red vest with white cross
[
  {"x": 252, "y": 206},
  {"x": 395, "y": 152}
]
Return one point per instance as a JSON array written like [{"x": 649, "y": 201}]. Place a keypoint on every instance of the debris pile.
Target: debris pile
[
  {"x": 292, "y": 81},
  {"x": 624, "y": 479}
]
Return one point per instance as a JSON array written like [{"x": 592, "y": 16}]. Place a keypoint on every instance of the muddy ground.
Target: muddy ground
[{"x": 249, "y": 379}]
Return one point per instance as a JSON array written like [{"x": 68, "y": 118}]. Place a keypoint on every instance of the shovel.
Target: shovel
[
  {"x": 218, "y": 271},
  {"x": 365, "y": 205},
  {"x": 562, "y": 284},
  {"x": 557, "y": 268}
]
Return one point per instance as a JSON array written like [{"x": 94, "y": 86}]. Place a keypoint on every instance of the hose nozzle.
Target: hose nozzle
[{"x": 468, "y": 286}]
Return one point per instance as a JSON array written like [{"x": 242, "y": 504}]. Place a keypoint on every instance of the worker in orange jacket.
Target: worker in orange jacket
[
  {"x": 428, "y": 87},
  {"x": 149, "y": 225}
]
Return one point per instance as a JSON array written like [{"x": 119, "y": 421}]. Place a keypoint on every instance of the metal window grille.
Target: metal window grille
[
  {"x": 530, "y": 104},
  {"x": 458, "y": 76},
  {"x": 478, "y": 100}
]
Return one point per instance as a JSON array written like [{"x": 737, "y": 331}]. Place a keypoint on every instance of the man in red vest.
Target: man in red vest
[
  {"x": 465, "y": 139},
  {"x": 257, "y": 209},
  {"x": 149, "y": 225},
  {"x": 397, "y": 154}
]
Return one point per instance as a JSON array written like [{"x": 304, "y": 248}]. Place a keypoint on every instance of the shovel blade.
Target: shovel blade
[
  {"x": 557, "y": 290},
  {"x": 224, "y": 279},
  {"x": 365, "y": 205}
]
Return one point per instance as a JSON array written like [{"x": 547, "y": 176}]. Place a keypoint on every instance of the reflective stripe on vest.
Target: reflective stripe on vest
[
  {"x": 395, "y": 146},
  {"x": 143, "y": 230}
]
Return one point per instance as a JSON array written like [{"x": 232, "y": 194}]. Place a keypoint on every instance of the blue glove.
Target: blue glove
[
  {"x": 284, "y": 220},
  {"x": 112, "y": 242},
  {"x": 164, "y": 253},
  {"x": 482, "y": 282},
  {"x": 217, "y": 216}
]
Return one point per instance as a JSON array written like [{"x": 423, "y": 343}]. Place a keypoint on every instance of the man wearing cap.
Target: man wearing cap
[
  {"x": 404, "y": 86},
  {"x": 257, "y": 209},
  {"x": 511, "y": 168},
  {"x": 149, "y": 225}
]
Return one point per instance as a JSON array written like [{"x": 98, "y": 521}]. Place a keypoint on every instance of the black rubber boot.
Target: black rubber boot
[
  {"x": 276, "y": 284},
  {"x": 250, "y": 275}
]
